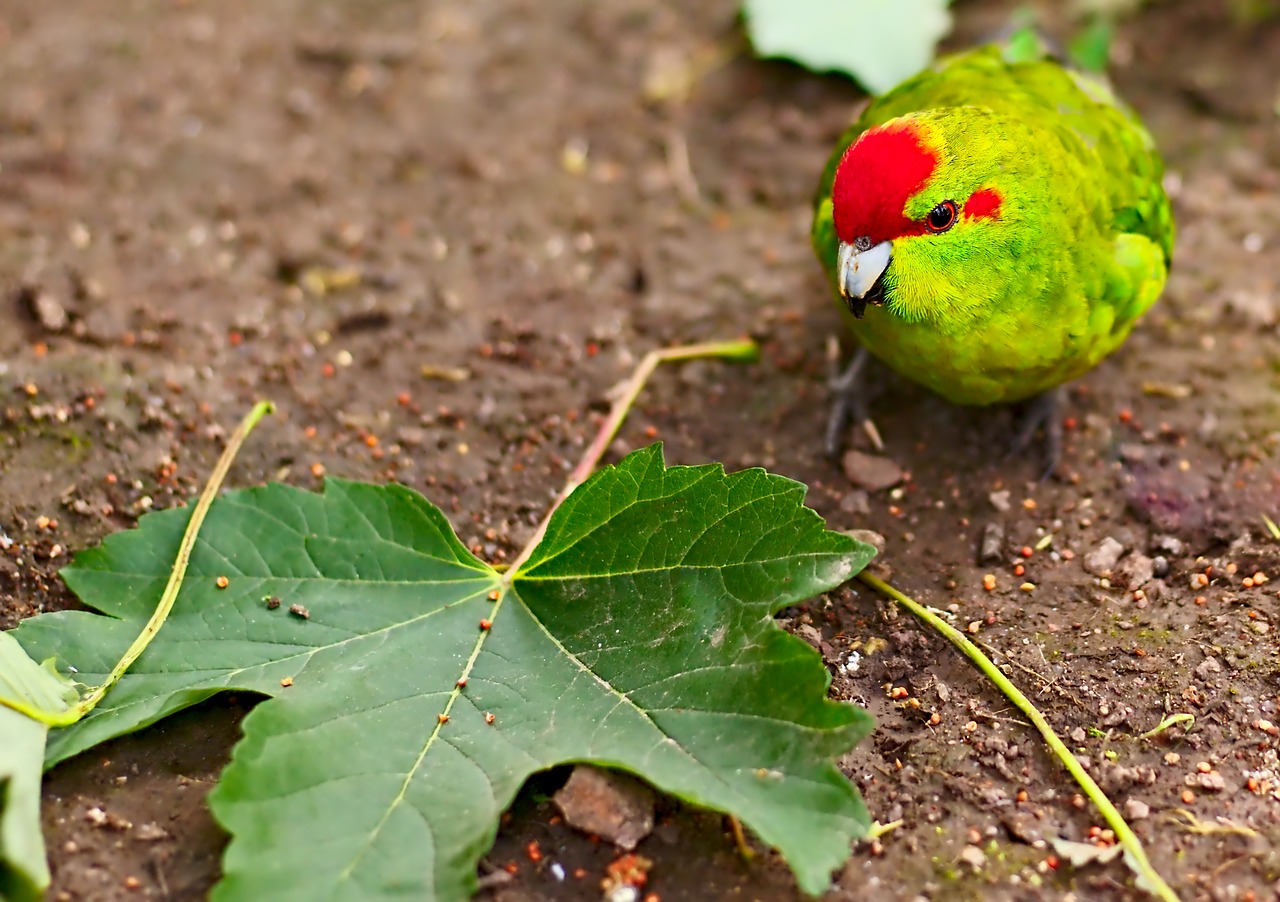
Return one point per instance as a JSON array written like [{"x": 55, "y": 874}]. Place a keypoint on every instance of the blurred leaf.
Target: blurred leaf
[
  {"x": 24, "y": 874},
  {"x": 877, "y": 42},
  {"x": 1090, "y": 49}
]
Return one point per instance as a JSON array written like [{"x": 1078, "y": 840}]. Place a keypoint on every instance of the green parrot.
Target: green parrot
[{"x": 993, "y": 227}]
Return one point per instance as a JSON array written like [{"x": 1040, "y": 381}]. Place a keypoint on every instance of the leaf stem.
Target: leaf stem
[
  {"x": 1124, "y": 834},
  {"x": 743, "y": 350},
  {"x": 176, "y": 576}
]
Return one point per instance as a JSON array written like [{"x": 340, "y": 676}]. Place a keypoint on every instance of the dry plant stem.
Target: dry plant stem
[
  {"x": 740, "y": 839},
  {"x": 176, "y": 576},
  {"x": 743, "y": 350},
  {"x": 1124, "y": 834}
]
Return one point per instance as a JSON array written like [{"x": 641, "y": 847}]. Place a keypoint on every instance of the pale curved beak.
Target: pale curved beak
[{"x": 859, "y": 274}]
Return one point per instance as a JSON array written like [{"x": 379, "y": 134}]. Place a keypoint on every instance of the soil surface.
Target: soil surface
[{"x": 436, "y": 234}]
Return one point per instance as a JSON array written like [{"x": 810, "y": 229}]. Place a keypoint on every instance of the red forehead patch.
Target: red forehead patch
[{"x": 880, "y": 172}]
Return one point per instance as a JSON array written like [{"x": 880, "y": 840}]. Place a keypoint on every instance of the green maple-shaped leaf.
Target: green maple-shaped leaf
[{"x": 638, "y": 635}]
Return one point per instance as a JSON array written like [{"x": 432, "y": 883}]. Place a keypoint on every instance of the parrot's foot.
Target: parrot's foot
[
  {"x": 1041, "y": 412},
  {"x": 848, "y": 403}
]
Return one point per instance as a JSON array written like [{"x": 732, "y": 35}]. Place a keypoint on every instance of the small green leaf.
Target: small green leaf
[
  {"x": 879, "y": 43},
  {"x": 639, "y": 635},
  {"x": 24, "y": 684}
]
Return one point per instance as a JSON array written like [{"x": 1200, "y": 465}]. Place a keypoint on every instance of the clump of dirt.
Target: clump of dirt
[{"x": 437, "y": 234}]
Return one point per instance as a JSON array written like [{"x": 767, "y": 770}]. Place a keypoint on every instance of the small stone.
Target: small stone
[
  {"x": 973, "y": 857},
  {"x": 869, "y": 537},
  {"x": 870, "y": 471},
  {"x": 96, "y": 817},
  {"x": 1103, "y": 559},
  {"x": 991, "y": 550},
  {"x": 1212, "y": 781},
  {"x": 1160, "y": 566},
  {"x": 810, "y": 635},
  {"x": 608, "y": 804},
  {"x": 45, "y": 308},
  {"x": 150, "y": 832},
  {"x": 1136, "y": 810},
  {"x": 1208, "y": 667},
  {"x": 1135, "y": 570},
  {"x": 1000, "y": 500},
  {"x": 856, "y": 502}
]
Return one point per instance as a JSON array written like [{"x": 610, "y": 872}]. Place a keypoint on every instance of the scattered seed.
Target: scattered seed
[
  {"x": 298, "y": 610},
  {"x": 443, "y": 718},
  {"x": 222, "y": 582},
  {"x": 971, "y": 727},
  {"x": 1027, "y": 587},
  {"x": 989, "y": 582},
  {"x": 286, "y": 682},
  {"x": 488, "y": 717},
  {"x": 132, "y": 883},
  {"x": 1026, "y": 551},
  {"x": 494, "y": 595},
  {"x": 272, "y": 602},
  {"x": 533, "y": 851},
  {"x": 317, "y": 469},
  {"x": 486, "y": 623},
  {"x": 462, "y": 681},
  {"x": 1188, "y": 796}
]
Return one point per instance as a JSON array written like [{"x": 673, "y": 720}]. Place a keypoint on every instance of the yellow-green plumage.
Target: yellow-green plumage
[{"x": 1007, "y": 307}]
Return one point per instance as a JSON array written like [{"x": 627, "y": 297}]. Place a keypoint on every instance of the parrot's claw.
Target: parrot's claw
[
  {"x": 1041, "y": 412},
  {"x": 848, "y": 403}
]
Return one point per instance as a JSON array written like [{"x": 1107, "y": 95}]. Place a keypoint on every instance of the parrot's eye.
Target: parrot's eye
[{"x": 942, "y": 217}]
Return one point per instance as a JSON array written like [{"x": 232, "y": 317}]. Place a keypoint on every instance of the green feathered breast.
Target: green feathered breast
[{"x": 1006, "y": 306}]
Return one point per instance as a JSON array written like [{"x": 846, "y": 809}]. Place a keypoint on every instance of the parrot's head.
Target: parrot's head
[{"x": 923, "y": 223}]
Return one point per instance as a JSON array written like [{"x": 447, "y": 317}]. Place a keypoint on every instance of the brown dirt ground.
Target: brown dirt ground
[{"x": 313, "y": 201}]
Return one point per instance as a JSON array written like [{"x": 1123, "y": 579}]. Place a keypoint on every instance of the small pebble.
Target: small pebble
[{"x": 871, "y": 472}]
